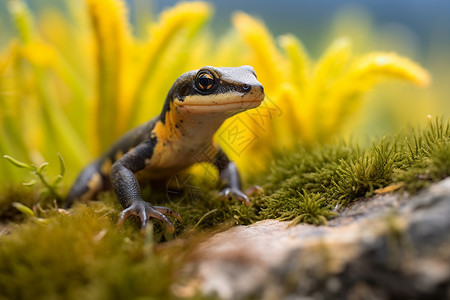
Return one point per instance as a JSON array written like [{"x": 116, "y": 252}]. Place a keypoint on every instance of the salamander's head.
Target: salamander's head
[{"x": 213, "y": 90}]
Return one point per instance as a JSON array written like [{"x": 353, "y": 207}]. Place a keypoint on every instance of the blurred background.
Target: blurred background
[{"x": 54, "y": 67}]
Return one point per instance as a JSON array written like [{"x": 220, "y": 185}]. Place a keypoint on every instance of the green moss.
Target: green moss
[
  {"x": 364, "y": 173},
  {"x": 425, "y": 156},
  {"x": 307, "y": 208},
  {"x": 440, "y": 161},
  {"x": 82, "y": 256}
]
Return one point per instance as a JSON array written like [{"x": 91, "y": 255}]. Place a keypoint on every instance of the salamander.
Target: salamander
[{"x": 196, "y": 105}]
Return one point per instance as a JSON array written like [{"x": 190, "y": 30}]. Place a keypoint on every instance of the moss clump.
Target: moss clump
[
  {"x": 82, "y": 256},
  {"x": 361, "y": 175},
  {"x": 308, "y": 208},
  {"x": 425, "y": 157}
]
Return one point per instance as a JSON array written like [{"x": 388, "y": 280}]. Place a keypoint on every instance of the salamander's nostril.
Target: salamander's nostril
[{"x": 246, "y": 87}]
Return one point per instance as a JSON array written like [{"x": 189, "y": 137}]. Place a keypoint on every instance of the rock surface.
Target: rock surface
[{"x": 385, "y": 247}]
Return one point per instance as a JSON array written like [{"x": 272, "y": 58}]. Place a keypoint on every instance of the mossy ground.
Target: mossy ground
[{"x": 84, "y": 255}]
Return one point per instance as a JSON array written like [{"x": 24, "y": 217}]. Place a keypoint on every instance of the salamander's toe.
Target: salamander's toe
[
  {"x": 236, "y": 193},
  {"x": 145, "y": 211},
  {"x": 168, "y": 211}
]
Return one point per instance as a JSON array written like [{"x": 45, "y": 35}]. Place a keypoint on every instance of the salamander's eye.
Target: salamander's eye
[{"x": 204, "y": 81}]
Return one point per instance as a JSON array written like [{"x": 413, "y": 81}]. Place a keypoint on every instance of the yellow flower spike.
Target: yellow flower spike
[
  {"x": 54, "y": 127},
  {"x": 55, "y": 29},
  {"x": 7, "y": 56},
  {"x": 275, "y": 118},
  {"x": 290, "y": 126},
  {"x": 229, "y": 50},
  {"x": 184, "y": 16},
  {"x": 390, "y": 65},
  {"x": 361, "y": 76},
  {"x": 298, "y": 60},
  {"x": 241, "y": 138},
  {"x": 38, "y": 54},
  {"x": 58, "y": 33},
  {"x": 267, "y": 61},
  {"x": 110, "y": 25},
  {"x": 332, "y": 63},
  {"x": 177, "y": 59},
  {"x": 249, "y": 137},
  {"x": 201, "y": 54},
  {"x": 326, "y": 72},
  {"x": 297, "y": 104}
]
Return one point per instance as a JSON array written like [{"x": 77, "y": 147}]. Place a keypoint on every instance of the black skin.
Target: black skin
[
  {"x": 81, "y": 186},
  {"x": 138, "y": 146}
]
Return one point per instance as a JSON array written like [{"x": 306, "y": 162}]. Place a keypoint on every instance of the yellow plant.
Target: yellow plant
[
  {"x": 76, "y": 85},
  {"x": 308, "y": 102}
]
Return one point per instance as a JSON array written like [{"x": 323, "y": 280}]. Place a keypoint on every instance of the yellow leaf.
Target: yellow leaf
[
  {"x": 266, "y": 60},
  {"x": 332, "y": 64},
  {"x": 298, "y": 60},
  {"x": 327, "y": 70},
  {"x": 38, "y": 54},
  {"x": 390, "y": 65},
  {"x": 7, "y": 57},
  {"x": 24, "y": 209},
  {"x": 363, "y": 73},
  {"x": 112, "y": 36}
]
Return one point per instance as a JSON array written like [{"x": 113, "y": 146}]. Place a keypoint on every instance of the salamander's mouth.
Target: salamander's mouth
[
  {"x": 229, "y": 107},
  {"x": 228, "y": 102}
]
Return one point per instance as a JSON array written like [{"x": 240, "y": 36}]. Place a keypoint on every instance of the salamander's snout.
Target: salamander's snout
[
  {"x": 262, "y": 89},
  {"x": 253, "y": 96},
  {"x": 256, "y": 89}
]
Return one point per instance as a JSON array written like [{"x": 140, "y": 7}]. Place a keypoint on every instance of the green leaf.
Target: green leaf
[
  {"x": 57, "y": 180},
  {"x": 24, "y": 209},
  {"x": 29, "y": 184},
  {"x": 17, "y": 163},
  {"x": 42, "y": 167},
  {"x": 62, "y": 166}
]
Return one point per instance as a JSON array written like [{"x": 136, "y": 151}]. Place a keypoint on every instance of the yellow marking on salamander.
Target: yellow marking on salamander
[
  {"x": 94, "y": 186},
  {"x": 106, "y": 166},
  {"x": 169, "y": 129},
  {"x": 118, "y": 155}
]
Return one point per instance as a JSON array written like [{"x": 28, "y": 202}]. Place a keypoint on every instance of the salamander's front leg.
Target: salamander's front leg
[
  {"x": 229, "y": 173},
  {"x": 128, "y": 192}
]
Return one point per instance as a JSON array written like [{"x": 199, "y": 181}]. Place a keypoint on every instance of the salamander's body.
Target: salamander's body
[{"x": 182, "y": 135}]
